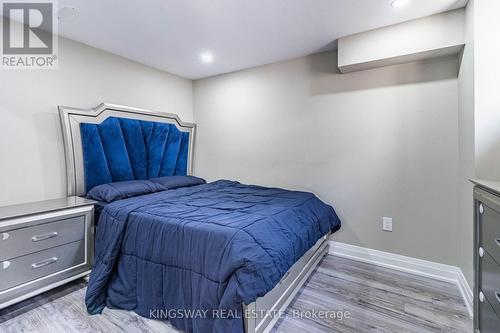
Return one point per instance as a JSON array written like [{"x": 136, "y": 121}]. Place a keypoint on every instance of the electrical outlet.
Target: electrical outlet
[{"x": 387, "y": 223}]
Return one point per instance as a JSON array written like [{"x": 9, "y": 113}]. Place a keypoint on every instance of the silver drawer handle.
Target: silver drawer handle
[
  {"x": 5, "y": 264},
  {"x": 497, "y": 294},
  {"x": 481, "y": 297},
  {"x": 5, "y": 235},
  {"x": 481, "y": 209},
  {"x": 43, "y": 237},
  {"x": 44, "y": 263},
  {"x": 481, "y": 252},
  {"x": 497, "y": 240}
]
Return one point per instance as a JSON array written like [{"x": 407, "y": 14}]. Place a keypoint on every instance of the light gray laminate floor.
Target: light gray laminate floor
[{"x": 377, "y": 299}]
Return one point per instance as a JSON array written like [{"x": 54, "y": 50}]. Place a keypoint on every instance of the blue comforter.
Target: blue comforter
[{"x": 209, "y": 248}]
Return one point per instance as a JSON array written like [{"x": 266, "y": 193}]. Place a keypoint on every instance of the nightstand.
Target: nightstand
[
  {"x": 486, "y": 256},
  {"x": 43, "y": 245}
]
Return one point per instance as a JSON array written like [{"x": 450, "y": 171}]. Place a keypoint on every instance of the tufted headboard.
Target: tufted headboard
[{"x": 113, "y": 143}]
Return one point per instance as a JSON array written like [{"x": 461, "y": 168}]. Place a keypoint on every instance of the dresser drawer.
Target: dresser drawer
[
  {"x": 490, "y": 231},
  {"x": 490, "y": 281},
  {"x": 33, "y": 266},
  {"x": 488, "y": 320},
  {"x": 19, "y": 242}
]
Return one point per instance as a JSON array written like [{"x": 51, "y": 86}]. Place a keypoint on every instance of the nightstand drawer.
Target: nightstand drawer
[
  {"x": 488, "y": 320},
  {"x": 20, "y": 242},
  {"x": 490, "y": 281},
  {"x": 490, "y": 231},
  {"x": 33, "y": 266}
]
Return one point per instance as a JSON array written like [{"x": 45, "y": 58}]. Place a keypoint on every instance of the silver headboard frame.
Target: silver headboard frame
[{"x": 72, "y": 117}]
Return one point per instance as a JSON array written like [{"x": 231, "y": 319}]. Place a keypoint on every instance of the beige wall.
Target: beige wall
[
  {"x": 376, "y": 143},
  {"x": 32, "y": 156},
  {"x": 487, "y": 88},
  {"x": 466, "y": 148}
]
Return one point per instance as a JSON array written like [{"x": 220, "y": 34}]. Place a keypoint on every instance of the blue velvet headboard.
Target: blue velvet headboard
[
  {"x": 121, "y": 149},
  {"x": 115, "y": 143}
]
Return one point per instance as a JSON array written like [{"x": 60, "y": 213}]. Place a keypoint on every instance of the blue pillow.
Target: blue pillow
[
  {"x": 121, "y": 190},
  {"x": 173, "y": 182}
]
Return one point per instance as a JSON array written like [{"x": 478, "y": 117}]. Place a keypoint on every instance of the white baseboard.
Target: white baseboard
[
  {"x": 411, "y": 265},
  {"x": 466, "y": 292}
]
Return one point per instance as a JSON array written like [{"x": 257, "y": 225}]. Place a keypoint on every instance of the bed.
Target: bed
[{"x": 208, "y": 257}]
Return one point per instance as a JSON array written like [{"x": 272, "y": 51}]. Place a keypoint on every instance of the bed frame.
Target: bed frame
[{"x": 261, "y": 314}]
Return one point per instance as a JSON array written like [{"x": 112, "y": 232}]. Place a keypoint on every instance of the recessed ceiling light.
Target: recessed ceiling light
[
  {"x": 207, "y": 57},
  {"x": 400, "y": 3}
]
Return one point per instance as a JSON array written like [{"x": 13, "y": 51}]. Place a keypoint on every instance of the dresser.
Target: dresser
[
  {"x": 44, "y": 245},
  {"x": 487, "y": 256}
]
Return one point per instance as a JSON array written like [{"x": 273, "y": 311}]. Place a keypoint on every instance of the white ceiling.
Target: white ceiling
[{"x": 171, "y": 34}]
